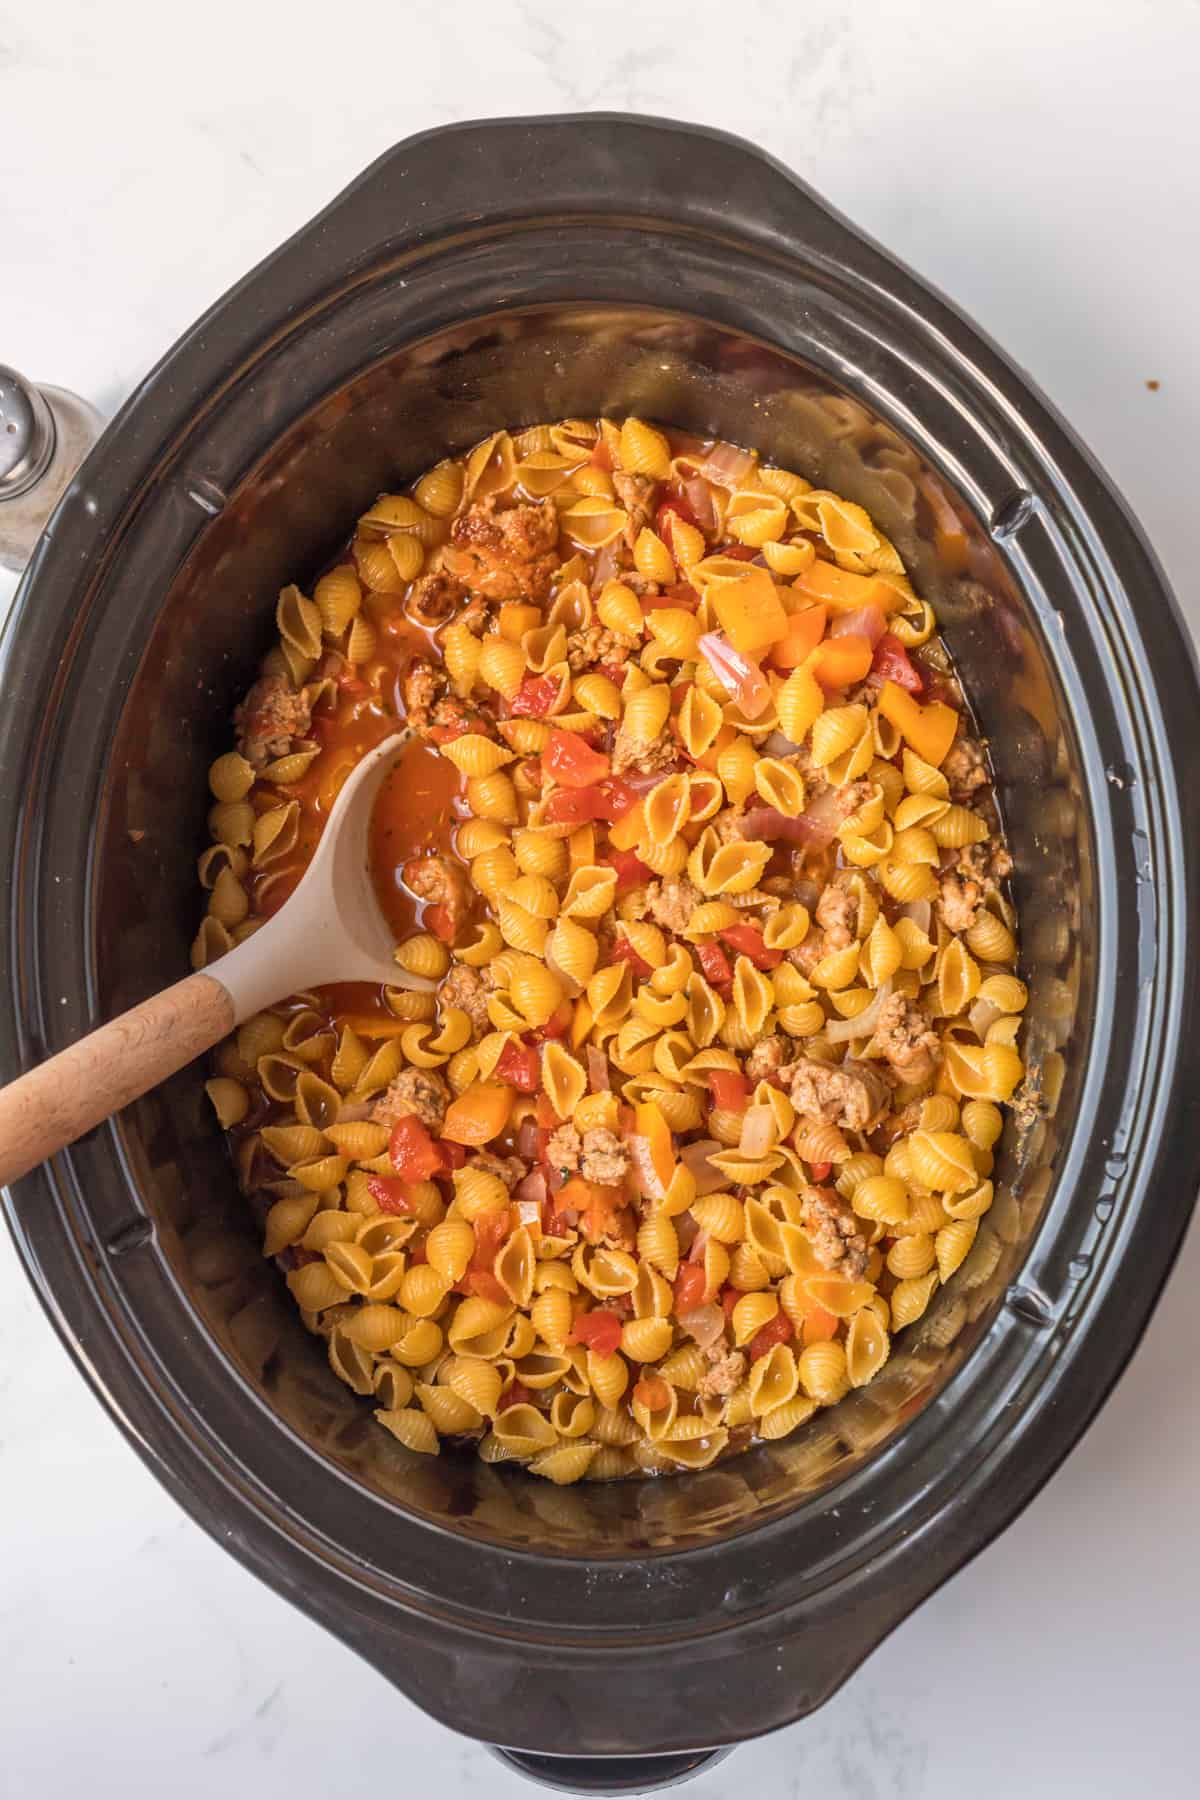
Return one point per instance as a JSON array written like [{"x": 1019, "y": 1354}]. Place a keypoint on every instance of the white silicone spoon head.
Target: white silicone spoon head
[{"x": 331, "y": 928}]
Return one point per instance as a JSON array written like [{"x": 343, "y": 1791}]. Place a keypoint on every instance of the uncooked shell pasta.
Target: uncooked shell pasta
[{"x": 697, "y": 858}]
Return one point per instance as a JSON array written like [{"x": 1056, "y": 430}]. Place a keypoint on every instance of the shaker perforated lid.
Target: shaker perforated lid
[{"x": 26, "y": 434}]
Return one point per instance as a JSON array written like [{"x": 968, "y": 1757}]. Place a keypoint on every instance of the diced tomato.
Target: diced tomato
[
  {"x": 631, "y": 870},
  {"x": 778, "y": 1330},
  {"x": 515, "y": 1394},
  {"x": 575, "y": 806},
  {"x": 729, "y": 1297},
  {"x": 389, "y": 1194},
  {"x": 623, "y": 951},
  {"x": 821, "y": 1171},
  {"x": 545, "y": 1114},
  {"x": 599, "y": 1330},
  {"x": 616, "y": 672},
  {"x": 715, "y": 965},
  {"x": 730, "y": 1089},
  {"x": 609, "y": 800},
  {"x": 572, "y": 762},
  {"x": 748, "y": 940},
  {"x": 415, "y": 1156},
  {"x": 740, "y": 552},
  {"x": 483, "y": 1283},
  {"x": 453, "y": 1155},
  {"x": 554, "y": 1223},
  {"x": 418, "y": 1254},
  {"x": 893, "y": 662},
  {"x": 520, "y": 1066},
  {"x": 535, "y": 697},
  {"x": 689, "y": 1287},
  {"x": 440, "y": 921},
  {"x": 619, "y": 798},
  {"x": 491, "y": 1229},
  {"x": 446, "y": 734},
  {"x": 354, "y": 686},
  {"x": 556, "y": 1026},
  {"x": 675, "y": 506},
  {"x": 682, "y": 593}
]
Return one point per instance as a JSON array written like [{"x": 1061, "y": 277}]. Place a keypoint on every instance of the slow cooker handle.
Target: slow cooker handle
[
  {"x": 45, "y": 433},
  {"x": 609, "y": 1774}
]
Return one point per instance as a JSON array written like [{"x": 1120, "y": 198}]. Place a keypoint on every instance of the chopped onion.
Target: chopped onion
[
  {"x": 643, "y": 1168},
  {"x": 704, "y": 1323},
  {"x": 699, "y": 498},
  {"x": 597, "y": 1068},
  {"x": 740, "y": 677},
  {"x": 532, "y": 1191},
  {"x": 983, "y": 1015},
  {"x": 758, "y": 1131},
  {"x": 770, "y": 826},
  {"x": 920, "y": 912},
  {"x": 726, "y": 465},
  {"x": 839, "y": 1031},
  {"x": 605, "y": 566},
  {"x": 685, "y": 1230},
  {"x": 529, "y": 1212},
  {"x": 642, "y": 783},
  {"x": 694, "y": 1158},
  {"x": 864, "y": 621}
]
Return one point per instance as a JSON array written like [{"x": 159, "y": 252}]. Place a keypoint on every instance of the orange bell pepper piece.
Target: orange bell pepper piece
[
  {"x": 708, "y": 760},
  {"x": 516, "y": 619},
  {"x": 949, "y": 533},
  {"x": 843, "y": 591},
  {"x": 930, "y": 729},
  {"x": 627, "y": 832},
  {"x": 653, "y": 1393},
  {"x": 479, "y": 1113},
  {"x": 650, "y": 1124},
  {"x": 805, "y": 630},
  {"x": 750, "y": 610},
  {"x": 841, "y": 661},
  {"x": 819, "y": 1326}
]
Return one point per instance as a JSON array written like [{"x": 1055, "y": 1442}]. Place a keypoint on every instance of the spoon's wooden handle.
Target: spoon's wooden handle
[{"x": 57, "y": 1102}]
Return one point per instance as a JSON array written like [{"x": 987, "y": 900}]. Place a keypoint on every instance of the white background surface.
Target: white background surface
[{"x": 1041, "y": 163}]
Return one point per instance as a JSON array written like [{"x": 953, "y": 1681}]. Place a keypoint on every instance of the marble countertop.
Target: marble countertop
[{"x": 1039, "y": 163}]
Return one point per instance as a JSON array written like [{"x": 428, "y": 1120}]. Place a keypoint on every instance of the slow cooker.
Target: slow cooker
[{"x": 608, "y": 1637}]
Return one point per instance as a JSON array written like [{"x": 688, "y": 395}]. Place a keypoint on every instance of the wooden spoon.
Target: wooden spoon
[{"x": 331, "y": 929}]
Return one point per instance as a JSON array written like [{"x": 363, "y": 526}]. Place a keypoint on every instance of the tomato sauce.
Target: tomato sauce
[{"x": 416, "y": 811}]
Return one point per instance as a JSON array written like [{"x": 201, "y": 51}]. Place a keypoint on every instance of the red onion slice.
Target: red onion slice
[
  {"x": 532, "y": 1191},
  {"x": 694, "y": 1158},
  {"x": 704, "y": 1323},
  {"x": 726, "y": 465},
  {"x": 864, "y": 621},
  {"x": 597, "y": 1068}
]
